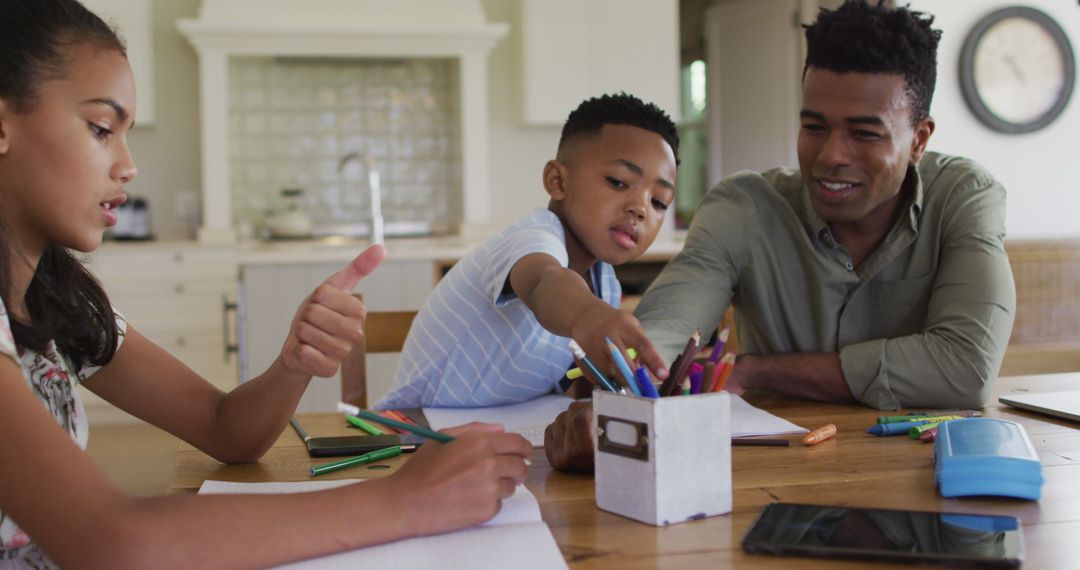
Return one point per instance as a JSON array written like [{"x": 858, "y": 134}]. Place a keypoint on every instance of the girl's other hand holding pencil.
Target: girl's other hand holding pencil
[{"x": 448, "y": 486}]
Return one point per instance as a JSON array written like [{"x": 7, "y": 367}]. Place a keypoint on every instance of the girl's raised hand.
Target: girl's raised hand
[{"x": 329, "y": 321}]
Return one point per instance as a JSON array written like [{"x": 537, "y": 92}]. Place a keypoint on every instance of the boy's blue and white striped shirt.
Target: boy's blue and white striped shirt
[{"x": 471, "y": 345}]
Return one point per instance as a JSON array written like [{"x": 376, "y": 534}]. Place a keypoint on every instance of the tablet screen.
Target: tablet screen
[{"x": 884, "y": 534}]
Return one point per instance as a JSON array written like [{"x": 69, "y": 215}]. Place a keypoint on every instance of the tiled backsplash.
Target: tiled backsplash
[{"x": 291, "y": 120}]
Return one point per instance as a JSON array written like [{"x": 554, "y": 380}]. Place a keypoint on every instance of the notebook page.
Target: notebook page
[
  {"x": 520, "y": 508},
  {"x": 746, "y": 420},
  {"x": 527, "y": 418},
  {"x": 531, "y": 417},
  {"x": 514, "y": 538},
  {"x": 520, "y": 546}
]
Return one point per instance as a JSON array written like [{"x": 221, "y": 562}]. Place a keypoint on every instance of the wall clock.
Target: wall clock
[{"x": 1017, "y": 70}]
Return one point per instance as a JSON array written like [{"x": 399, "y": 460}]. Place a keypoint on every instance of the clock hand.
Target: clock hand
[{"x": 1019, "y": 73}]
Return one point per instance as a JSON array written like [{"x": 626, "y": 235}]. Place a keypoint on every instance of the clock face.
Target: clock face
[{"x": 1017, "y": 70}]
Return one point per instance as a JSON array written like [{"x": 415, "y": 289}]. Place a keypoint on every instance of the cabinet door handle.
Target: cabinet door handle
[{"x": 228, "y": 338}]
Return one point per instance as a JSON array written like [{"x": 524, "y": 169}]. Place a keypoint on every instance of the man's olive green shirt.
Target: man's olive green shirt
[{"x": 924, "y": 321}]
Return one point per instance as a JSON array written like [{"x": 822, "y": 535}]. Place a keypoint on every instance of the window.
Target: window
[{"x": 693, "y": 144}]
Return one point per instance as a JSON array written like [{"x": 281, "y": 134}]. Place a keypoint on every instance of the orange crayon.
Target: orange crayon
[{"x": 820, "y": 434}]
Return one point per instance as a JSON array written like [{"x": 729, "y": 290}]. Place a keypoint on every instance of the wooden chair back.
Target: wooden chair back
[{"x": 384, "y": 331}]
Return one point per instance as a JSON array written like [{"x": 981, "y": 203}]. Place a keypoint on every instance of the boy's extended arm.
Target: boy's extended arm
[{"x": 563, "y": 304}]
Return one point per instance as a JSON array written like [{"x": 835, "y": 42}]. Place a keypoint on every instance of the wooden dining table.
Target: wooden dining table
[{"x": 852, "y": 469}]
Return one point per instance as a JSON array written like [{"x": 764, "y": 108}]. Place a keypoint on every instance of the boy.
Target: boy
[{"x": 495, "y": 329}]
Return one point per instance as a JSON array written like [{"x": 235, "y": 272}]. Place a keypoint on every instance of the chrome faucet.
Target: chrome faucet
[{"x": 375, "y": 189}]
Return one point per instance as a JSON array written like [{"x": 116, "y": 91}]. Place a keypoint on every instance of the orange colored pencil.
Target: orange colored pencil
[
  {"x": 400, "y": 416},
  {"x": 729, "y": 364},
  {"x": 387, "y": 414}
]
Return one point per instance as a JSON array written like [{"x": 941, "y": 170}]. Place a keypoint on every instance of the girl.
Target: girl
[{"x": 66, "y": 104}]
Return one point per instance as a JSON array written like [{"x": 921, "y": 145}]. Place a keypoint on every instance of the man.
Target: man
[{"x": 876, "y": 273}]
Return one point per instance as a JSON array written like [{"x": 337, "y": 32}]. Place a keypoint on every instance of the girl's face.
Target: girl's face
[{"x": 65, "y": 161}]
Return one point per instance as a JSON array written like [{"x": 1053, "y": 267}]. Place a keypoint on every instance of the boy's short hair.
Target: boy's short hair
[
  {"x": 863, "y": 38},
  {"x": 619, "y": 109}
]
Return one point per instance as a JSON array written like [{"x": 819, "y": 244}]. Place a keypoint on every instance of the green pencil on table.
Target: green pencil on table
[
  {"x": 370, "y": 457},
  {"x": 355, "y": 421},
  {"x": 421, "y": 431}
]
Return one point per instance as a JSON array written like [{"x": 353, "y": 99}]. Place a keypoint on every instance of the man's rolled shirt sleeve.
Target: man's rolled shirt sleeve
[{"x": 954, "y": 359}]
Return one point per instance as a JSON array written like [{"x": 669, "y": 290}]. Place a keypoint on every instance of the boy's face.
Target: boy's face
[
  {"x": 855, "y": 144},
  {"x": 611, "y": 191}
]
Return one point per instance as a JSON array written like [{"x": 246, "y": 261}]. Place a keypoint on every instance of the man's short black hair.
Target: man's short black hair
[
  {"x": 863, "y": 38},
  {"x": 619, "y": 109}
]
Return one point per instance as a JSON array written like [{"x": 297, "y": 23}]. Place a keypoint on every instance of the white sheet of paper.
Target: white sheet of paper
[
  {"x": 527, "y": 418},
  {"x": 520, "y": 546},
  {"x": 746, "y": 420},
  {"x": 531, "y": 417},
  {"x": 521, "y": 507},
  {"x": 514, "y": 538}
]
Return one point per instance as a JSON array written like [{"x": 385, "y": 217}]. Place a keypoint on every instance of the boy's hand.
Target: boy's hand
[
  {"x": 329, "y": 322},
  {"x": 600, "y": 321}
]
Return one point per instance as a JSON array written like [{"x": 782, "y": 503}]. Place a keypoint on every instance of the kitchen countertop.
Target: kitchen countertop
[{"x": 334, "y": 250}]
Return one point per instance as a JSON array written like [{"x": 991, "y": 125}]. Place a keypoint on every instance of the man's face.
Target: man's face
[{"x": 855, "y": 143}]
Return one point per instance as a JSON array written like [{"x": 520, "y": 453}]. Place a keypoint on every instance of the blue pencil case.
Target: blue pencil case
[{"x": 986, "y": 456}]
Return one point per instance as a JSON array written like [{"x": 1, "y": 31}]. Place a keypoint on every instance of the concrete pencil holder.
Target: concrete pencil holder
[{"x": 663, "y": 461}]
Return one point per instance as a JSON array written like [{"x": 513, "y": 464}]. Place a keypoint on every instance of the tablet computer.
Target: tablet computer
[
  {"x": 1064, "y": 404},
  {"x": 360, "y": 444},
  {"x": 332, "y": 446},
  {"x": 922, "y": 537}
]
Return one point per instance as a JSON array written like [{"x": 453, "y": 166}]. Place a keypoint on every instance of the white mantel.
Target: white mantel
[{"x": 341, "y": 28}]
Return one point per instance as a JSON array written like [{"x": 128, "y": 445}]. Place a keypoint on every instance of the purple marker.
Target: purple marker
[
  {"x": 718, "y": 350},
  {"x": 695, "y": 378}
]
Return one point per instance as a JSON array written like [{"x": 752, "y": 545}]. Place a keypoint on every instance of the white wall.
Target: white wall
[
  {"x": 167, "y": 152},
  {"x": 1040, "y": 170},
  {"x": 518, "y": 152}
]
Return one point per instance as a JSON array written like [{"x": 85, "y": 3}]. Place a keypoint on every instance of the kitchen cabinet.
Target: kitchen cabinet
[
  {"x": 576, "y": 49},
  {"x": 271, "y": 292},
  {"x": 177, "y": 295}
]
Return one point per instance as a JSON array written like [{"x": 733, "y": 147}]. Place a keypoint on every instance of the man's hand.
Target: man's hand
[
  {"x": 329, "y": 322},
  {"x": 568, "y": 441},
  {"x": 741, "y": 375}
]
